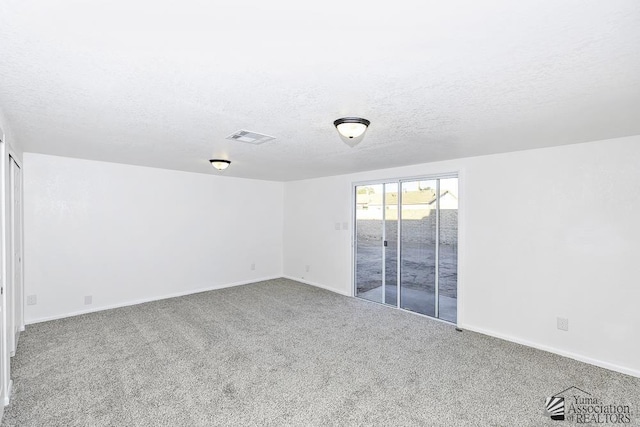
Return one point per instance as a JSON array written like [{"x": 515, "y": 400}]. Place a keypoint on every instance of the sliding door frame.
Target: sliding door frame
[
  {"x": 384, "y": 239},
  {"x": 399, "y": 180}
]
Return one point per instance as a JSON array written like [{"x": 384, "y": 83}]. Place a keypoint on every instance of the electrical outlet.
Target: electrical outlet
[
  {"x": 337, "y": 225},
  {"x": 32, "y": 299},
  {"x": 88, "y": 300},
  {"x": 307, "y": 268},
  {"x": 563, "y": 324},
  {"x": 345, "y": 225},
  {"x": 253, "y": 266}
]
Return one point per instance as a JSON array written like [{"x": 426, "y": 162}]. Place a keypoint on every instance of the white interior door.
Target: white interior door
[
  {"x": 16, "y": 251},
  {"x": 4, "y": 360},
  {"x": 14, "y": 264},
  {"x": 9, "y": 286}
]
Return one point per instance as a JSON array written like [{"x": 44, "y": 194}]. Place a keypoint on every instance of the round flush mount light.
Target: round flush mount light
[
  {"x": 351, "y": 129},
  {"x": 220, "y": 164}
]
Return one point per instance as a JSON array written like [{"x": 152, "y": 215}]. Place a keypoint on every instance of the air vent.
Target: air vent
[{"x": 250, "y": 137}]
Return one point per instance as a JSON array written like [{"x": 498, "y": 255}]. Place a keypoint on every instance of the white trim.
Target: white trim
[
  {"x": 384, "y": 242},
  {"x": 7, "y": 397},
  {"x": 436, "y": 249},
  {"x": 575, "y": 356},
  {"x": 425, "y": 177},
  {"x": 354, "y": 234},
  {"x": 461, "y": 244},
  {"x": 17, "y": 288},
  {"x": 5, "y": 356},
  {"x": 317, "y": 285},
  {"x": 156, "y": 298},
  {"x": 19, "y": 163},
  {"x": 400, "y": 250}
]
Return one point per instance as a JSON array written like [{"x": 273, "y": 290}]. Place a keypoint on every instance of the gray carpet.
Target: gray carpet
[{"x": 282, "y": 353}]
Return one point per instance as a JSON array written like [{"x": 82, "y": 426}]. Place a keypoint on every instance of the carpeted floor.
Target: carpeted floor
[{"x": 282, "y": 353}]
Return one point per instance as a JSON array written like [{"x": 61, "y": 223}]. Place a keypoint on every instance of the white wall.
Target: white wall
[
  {"x": 311, "y": 210},
  {"x": 543, "y": 234},
  {"x": 9, "y": 136},
  {"x": 125, "y": 234}
]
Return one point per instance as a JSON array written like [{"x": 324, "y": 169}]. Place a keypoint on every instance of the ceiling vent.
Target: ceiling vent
[{"x": 250, "y": 137}]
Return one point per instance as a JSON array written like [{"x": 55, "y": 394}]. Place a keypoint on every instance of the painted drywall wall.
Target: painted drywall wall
[
  {"x": 125, "y": 234},
  {"x": 9, "y": 136},
  {"x": 317, "y": 232},
  {"x": 543, "y": 234}
]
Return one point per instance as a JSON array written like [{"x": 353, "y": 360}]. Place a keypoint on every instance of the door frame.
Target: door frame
[
  {"x": 7, "y": 152},
  {"x": 4, "y": 355},
  {"x": 16, "y": 324},
  {"x": 459, "y": 174}
]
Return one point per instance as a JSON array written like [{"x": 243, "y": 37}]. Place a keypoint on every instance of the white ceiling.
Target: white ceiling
[{"x": 161, "y": 83}]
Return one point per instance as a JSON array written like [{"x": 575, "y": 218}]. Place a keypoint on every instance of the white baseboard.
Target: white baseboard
[
  {"x": 578, "y": 357},
  {"x": 144, "y": 300},
  {"x": 317, "y": 285},
  {"x": 13, "y": 352}
]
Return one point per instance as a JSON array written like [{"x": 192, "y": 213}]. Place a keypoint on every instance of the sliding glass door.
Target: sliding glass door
[
  {"x": 406, "y": 237},
  {"x": 448, "y": 249},
  {"x": 376, "y": 243},
  {"x": 369, "y": 237},
  {"x": 418, "y": 230}
]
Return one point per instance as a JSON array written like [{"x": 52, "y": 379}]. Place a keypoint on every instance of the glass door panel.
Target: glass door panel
[
  {"x": 448, "y": 250},
  {"x": 418, "y": 246},
  {"x": 369, "y": 241}
]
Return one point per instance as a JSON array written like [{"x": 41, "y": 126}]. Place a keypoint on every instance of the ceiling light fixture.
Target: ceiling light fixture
[
  {"x": 220, "y": 164},
  {"x": 352, "y": 129}
]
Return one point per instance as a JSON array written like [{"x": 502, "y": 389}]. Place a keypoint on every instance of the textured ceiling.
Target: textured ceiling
[{"x": 161, "y": 84}]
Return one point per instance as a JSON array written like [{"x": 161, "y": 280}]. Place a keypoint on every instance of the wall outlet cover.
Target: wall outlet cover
[
  {"x": 32, "y": 299},
  {"x": 563, "y": 324}
]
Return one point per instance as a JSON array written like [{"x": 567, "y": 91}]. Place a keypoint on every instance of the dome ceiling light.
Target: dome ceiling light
[
  {"x": 352, "y": 129},
  {"x": 220, "y": 164}
]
